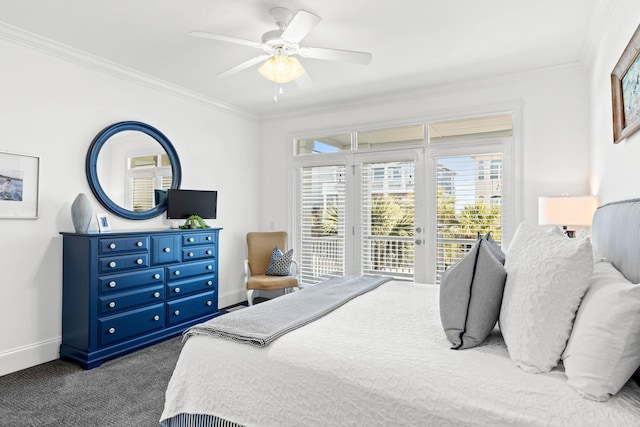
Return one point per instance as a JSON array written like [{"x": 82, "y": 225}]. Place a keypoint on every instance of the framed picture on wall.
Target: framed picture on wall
[
  {"x": 625, "y": 91},
  {"x": 19, "y": 186}
]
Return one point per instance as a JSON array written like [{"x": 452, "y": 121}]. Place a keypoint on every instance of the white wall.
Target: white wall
[
  {"x": 553, "y": 127},
  {"x": 52, "y": 108},
  {"x": 615, "y": 169}
]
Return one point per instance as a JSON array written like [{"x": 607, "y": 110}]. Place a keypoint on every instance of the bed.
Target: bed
[{"x": 382, "y": 359}]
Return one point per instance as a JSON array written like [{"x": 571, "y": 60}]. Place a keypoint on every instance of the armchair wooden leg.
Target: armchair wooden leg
[{"x": 250, "y": 296}]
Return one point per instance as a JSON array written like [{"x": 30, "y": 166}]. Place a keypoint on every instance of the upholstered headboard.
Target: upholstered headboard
[{"x": 616, "y": 236}]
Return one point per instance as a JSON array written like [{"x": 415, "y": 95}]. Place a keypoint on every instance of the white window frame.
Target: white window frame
[
  {"x": 504, "y": 145},
  {"x": 512, "y": 167}
]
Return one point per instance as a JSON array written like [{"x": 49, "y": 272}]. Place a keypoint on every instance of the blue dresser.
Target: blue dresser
[{"x": 123, "y": 291}]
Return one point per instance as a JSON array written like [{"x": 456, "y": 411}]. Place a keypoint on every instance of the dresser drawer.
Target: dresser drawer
[
  {"x": 123, "y": 244},
  {"x": 197, "y": 253},
  {"x": 184, "y": 309},
  {"x": 123, "y": 281},
  {"x": 120, "y": 327},
  {"x": 180, "y": 288},
  {"x": 198, "y": 238},
  {"x": 176, "y": 272},
  {"x": 165, "y": 249},
  {"x": 115, "y": 302},
  {"x": 124, "y": 262}
]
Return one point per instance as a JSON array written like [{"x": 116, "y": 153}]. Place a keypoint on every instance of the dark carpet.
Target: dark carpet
[{"x": 128, "y": 391}]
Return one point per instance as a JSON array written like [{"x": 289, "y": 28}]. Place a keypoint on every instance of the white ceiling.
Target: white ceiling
[{"x": 415, "y": 43}]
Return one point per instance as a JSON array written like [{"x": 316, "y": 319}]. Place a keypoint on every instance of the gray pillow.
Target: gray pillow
[
  {"x": 471, "y": 294},
  {"x": 493, "y": 246}
]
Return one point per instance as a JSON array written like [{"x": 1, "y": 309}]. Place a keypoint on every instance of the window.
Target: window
[
  {"x": 323, "y": 145},
  {"x": 387, "y": 220},
  {"x": 321, "y": 222},
  {"x": 145, "y": 174},
  {"x": 466, "y": 211},
  {"x": 466, "y": 202},
  {"x": 388, "y": 202},
  {"x": 390, "y": 138}
]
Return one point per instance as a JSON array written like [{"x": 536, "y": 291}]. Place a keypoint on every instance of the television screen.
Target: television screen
[{"x": 181, "y": 204}]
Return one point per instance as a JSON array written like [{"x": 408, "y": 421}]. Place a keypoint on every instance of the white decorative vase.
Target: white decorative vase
[{"x": 81, "y": 213}]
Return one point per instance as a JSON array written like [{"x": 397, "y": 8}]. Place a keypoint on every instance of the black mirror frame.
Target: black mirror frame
[{"x": 92, "y": 170}]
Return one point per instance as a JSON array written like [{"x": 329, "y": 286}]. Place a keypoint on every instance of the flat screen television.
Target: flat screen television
[{"x": 181, "y": 204}]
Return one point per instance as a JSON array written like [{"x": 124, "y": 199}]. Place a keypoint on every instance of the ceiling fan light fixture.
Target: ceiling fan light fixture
[{"x": 281, "y": 69}]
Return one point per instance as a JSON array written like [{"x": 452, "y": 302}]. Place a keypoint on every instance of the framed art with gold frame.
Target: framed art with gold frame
[{"x": 625, "y": 90}]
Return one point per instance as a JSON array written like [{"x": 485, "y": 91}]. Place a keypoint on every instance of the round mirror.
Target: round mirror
[{"x": 130, "y": 166}]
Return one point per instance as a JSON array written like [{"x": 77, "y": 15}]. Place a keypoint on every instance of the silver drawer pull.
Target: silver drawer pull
[
  {"x": 209, "y": 252},
  {"x": 209, "y": 303},
  {"x": 209, "y": 283},
  {"x": 112, "y": 264},
  {"x": 208, "y": 237},
  {"x": 112, "y": 330},
  {"x": 177, "y": 312},
  {"x": 138, "y": 244},
  {"x": 156, "y": 276},
  {"x": 167, "y": 250},
  {"x": 156, "y": 317},
  {"x": 112, "y": 304},
  {"x": 112, "y": 246},
  {"x": 190, "y": 254},
  {"x": 176, "y": 273},
  {"x": 112, "y": 284},
  {"x": 139, "y": 261},
  {"x": 190, "y": 239},
  {"x": 176, "y": 290},
  {"x": 209, "y": 267},
  {"x": 156, "y": 294}
]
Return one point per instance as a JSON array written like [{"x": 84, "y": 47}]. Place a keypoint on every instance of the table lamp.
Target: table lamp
[{"x": 567, "y": 211}]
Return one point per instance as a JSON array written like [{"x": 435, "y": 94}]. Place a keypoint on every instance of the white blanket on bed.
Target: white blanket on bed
[
  {"x": 270, "y": 320},
  {"x": 380, "y": 360}
]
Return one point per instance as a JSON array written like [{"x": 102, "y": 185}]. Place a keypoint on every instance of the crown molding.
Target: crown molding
[{"x": 67, "y": 53}]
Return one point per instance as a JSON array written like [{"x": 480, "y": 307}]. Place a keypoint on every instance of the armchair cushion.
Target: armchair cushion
[
  {"x": 279, "y": 264},
  {"x": 271, "y": 283}
]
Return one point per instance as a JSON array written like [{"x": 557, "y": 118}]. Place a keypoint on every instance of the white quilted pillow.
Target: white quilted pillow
[
  {"x": 604, "y": 348},
  {"x": 547, "y": 275}
]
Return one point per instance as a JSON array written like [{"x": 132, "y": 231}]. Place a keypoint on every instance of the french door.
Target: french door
[{"x": 362, "y": 214}]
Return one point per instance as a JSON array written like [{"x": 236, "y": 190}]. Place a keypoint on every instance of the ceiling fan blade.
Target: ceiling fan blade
[
  {"x": 220, "y": 37},
  {"x": 336, "y": 55},
  {"x": 244, "y": 65},
  {"x": 304, "y": 81},
  {"x": 301, "y": 25}
]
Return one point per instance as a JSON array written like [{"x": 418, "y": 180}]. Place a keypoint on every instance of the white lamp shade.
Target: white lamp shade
[
  {"x": 281, "y": 69},
  {"x": 566, "y": 210}
]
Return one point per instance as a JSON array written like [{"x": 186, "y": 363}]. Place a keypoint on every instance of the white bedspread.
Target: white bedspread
[{"x": 380, "y": 360}]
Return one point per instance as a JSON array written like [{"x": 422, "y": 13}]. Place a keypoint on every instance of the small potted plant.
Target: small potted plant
[{"x": 194, "y": 221}]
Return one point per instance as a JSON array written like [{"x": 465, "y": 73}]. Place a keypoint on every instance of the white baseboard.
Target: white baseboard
[
  {"x": 30, "y": 355},
  {"x": 231, "y": 298},
  {"x": 45, "y": 351}
]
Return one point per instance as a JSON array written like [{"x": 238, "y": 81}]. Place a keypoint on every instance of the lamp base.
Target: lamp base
[{"x": 569, "y": 233}]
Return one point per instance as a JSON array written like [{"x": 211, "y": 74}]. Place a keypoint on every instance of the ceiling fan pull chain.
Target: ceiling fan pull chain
[{"x": 277, "y": 90}]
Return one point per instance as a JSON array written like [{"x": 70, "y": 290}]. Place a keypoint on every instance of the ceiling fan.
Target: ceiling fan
[{"x": 282, "y": 45}]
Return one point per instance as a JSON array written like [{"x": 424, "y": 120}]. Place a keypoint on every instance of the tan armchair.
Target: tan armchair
[{"x": 260, "y": 246}]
